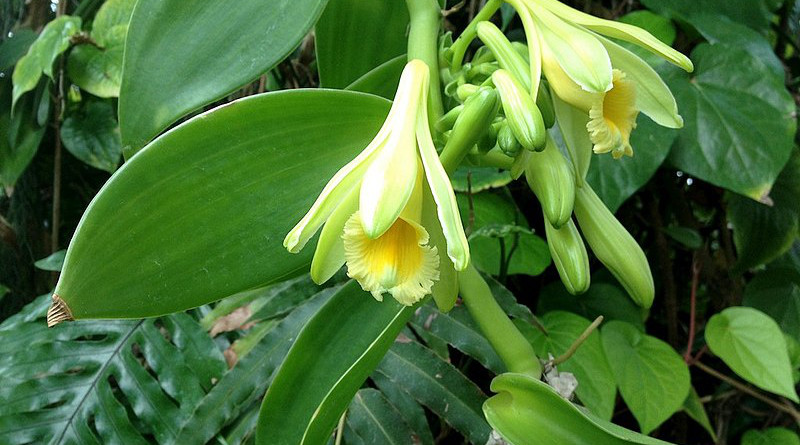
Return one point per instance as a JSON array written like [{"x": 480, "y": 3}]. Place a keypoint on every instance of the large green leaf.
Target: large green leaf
[
  {"x": 411, "y": 410},
  {"x": 763, "y": 232},
  {"x": 331, "y": 358},
  {"x": 770, "y": 436},
  {"x": 596, "y": 386},
  {"x": 752, "y": 345},
  {"x": 355, "y": 36},
  {"x": 615, "y": 180},
  {"x": 381, "y": 80},
  {"x": 91, "y": 134},
  {"x": 125, "y": 381},
  {"x": 739, "y": 120},
  {"x": 20, "y": 133},
  {"x": 201, "y": 212},
  {"x": 605, "y": 299},
  {"x": 776, "y": 292},
  {"x": 753, "y": 13},
  {"x": 652, "y": 377},
  {"x": 182, "y": 55},
  {"x": 527, "y": 411},
  {"x": 694, "y": 408},
  {"x": 439, "y": 386}
]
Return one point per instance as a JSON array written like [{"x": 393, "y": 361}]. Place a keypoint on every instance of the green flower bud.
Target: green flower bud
[
  {"x": 523, "y": 116},
  {"x": 464, "y": 91},
  {"x": 545, "y": 104},
  {"x": 475, "y": 118},
  {"x": 569, "y": 255},
  {"x": 614, "y": 246},
  {"x": 550, "y": 177},
  {"x": 507, "y": 142},
  {"x": 506, "y": 54},
  {"x": 446, "y": 122}
]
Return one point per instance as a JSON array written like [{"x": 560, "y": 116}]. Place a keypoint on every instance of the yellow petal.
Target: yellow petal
[
  {"x": 612, "y": 119},
  {"x": 398, "y": 262}
]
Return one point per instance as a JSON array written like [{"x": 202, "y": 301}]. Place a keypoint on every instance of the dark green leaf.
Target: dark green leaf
[
  {"x": 374, "y": 420},
  {"x": 329, "y": 361},
  {"x": 690, "y": 238},
  {"x": 776, "y": 292},
  {"x": 91, "y": 134},
  {"x": 182, "y": 55},
  {"x": 694, "y": 408},
  {"x": 256, "y": 165},
  {"x": 770, "y": 436},
  {"x": 382, "y": 80},
  {"x": 14, "y": 47},
  {"x": 603, "y": 299},
  {"x": 739, "y": 121},
  {"x": 651, "y": 376},
  {"x": 477, "y": 179},
  {"x": 753, "y": 13},
  {"x": 411, "y": 410},
  {"x": 596, "y": 389},
  {"x": 661, "y": 27},
  {"x": 752, "y": 345},
  {"x": 20, "y": 134},
  {"x": 763, "y": 232},
  {"x": 439, "y": 386},
  {"x": 355, "y": 36},
  {"x": 615, "y": 180}
]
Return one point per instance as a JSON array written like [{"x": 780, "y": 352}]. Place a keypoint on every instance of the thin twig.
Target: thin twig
[
  {"x": 59, "y": 111},
  {"x": 340, "y": 429},
  {"x": 578, "y": 342},
  {"x": 750, "y": 391},
  {"x": 696, "y": 267}
]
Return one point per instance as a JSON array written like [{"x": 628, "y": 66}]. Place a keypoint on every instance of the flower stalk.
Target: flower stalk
[{"x": 423, "y": 38}]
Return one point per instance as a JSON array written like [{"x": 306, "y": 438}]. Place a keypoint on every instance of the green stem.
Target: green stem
[
  {"x": 461, "y": 44},
  {"x": 512, "y": 347},
  {"x": 423, "y": 44}
]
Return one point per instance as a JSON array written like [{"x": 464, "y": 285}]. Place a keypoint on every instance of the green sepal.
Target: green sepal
[
  {"x": 550, "y": 177},
  {"x": 569, "y": 255},
  {"x": 523, "y": 116}
]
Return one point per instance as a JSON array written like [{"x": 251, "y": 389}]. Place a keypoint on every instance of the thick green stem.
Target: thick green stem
[
  {"x": 461, "y": 44},
  {"x": 423, "y": 44},
  {"x": 512, "y": 347}
]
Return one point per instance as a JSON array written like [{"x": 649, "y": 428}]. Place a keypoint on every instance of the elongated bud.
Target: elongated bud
[
  {"x": 489, "y": 139},
  {"x": 475, "y": 118},
  {"x": 447, "y": 121},
  {"x": 464, "y": 91},
  {"x": 506, "y": 55},
  {"x": 545, "y": 104},
  {"x": 523, "y": 116},
  {"x": 550, "y": 177},
  {"x": 614, "y": 246},
  {"x": 507, "y": 142},
  {"x": 569, "y": 255}
]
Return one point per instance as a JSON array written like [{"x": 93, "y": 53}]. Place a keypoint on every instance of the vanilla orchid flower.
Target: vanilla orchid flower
[
  {"x": 594, "y": 74},
  {"x": 374, "y": 207}
]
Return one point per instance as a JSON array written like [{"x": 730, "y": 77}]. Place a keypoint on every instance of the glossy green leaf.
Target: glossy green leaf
[
  {"x": 527, "y": 411},
  {"x": 52, "y": 41},
  {"x": 616, "y": 180},
  {"x": 437, "y": 385},
  {"x": 694, "y": 408},
  {"x": 355, "y": 36},
  {"x": 652, "y": 378},
  {"x": 98, "y": 69},
  {"x": 602, "y": 298},
  {"x": 91, "y": 134},
  {"x": 329, "y": 361},
  {"x": 477, "y": 179},
  {"x": 459, "y": 330},
  {"x": 659, "y": 26},
  {"x": 690, "y": 238},
  {"x": 173, "y": 46},
  {"x": 372, "y": 419},
  {"x": 739, "y": 121},
  {"x": 53, "y": 262},
  {"x": 245, "y": 384},
  {"x": 752, "y": 345},
  {"x": 119, "y": 381},
  {"x": 764, "y": 231},
  {"x": 20, "y": 134},
  {"x": 256, "y": 164},
  {"x": 770, "y": 436},
  {"x": 776, "y": 292},
  {"x": 596, "y": 389},
  {"x": 753, "y": 13}
]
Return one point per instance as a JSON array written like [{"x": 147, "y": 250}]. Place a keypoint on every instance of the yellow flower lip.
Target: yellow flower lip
[{"x": 371, "y": 205}]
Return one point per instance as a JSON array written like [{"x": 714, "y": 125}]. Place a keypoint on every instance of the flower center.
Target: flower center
[
  {"x": 399, "y": 261},
  {"x": 614, "y": 117}
]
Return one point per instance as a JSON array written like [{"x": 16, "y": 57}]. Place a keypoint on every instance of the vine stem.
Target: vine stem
[
  {"x": 509, "y": 343},
  {"x": 578, "y": 342},
  {"x": 788, "y": 409},
  {"x": 687, "y": 356},
  {"x": 57, "y": 150},
  {"x": 461, "y": 44},
  {"x": 423, "y": 44}
]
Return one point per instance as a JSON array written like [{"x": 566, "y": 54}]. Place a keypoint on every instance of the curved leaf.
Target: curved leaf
[
  {"x": 145, "y": 245},
  {"x": 182, "y": 55},
  {"x": 355, "y": 36},
  {"x": 329, "y": 361},
  {"x": 382, "y": 80},
  {"x": 371, "y": 419},
  {"x": 753, "y": 346},
  {"x": 92, "y": 135}
]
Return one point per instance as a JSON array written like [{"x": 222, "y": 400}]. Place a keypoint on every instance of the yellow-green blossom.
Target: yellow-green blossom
[{"x": 373, "y": 207}]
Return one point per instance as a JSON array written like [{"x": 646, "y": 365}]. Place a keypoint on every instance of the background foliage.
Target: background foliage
[{"x": 714, "y": 206}]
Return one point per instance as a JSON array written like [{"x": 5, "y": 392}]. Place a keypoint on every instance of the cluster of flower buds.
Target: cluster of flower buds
[{"x": 593, "y": 89}]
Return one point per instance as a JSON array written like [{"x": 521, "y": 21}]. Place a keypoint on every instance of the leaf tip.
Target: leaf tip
[{"x": 59, "y": 312}]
